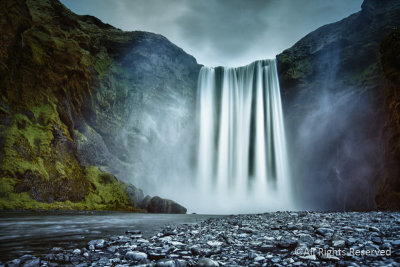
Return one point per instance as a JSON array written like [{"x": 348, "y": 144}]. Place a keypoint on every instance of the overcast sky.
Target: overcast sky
[{"x": 221, "y": 32}]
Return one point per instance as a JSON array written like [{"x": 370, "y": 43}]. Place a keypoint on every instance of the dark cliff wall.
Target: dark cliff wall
[
  {"x": 389, "y": 193},
  {"x": 68, "y": 83},
  {"x": 333, "y": 91}
]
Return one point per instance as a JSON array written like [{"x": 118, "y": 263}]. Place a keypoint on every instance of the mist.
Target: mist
[{"x": 221, "y": 33}]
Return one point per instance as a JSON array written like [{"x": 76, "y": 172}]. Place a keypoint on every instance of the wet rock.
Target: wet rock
[
  {"x": 306, "y": 239},
  {"x": 339, "y": 243},
  {"x": 214, "y": 243},
  {"x": 204, "y": 243},
  {"x": 133, "y": 232},
  {"x": 136, "y": 256},
  {"x": 161, "y": 205},
  {"x": 350, "y": 241},
  {"x": 259, "y": 258},
  {"x": 206, "y": 262},
  {"x": 77, "y": 251},
  {"x": 287, "y": 242},
  {"x": 324, "y": 231},
  {"x": 32, "y": 263},
  {"x": 168, "y": 263},
  {"x": 14, "y": 262},
  {"x": 265, "y": 248},
  {"x": 99, "y": 243},
  {"x": 135, "y": 195},
  {"x": 396, "y": 243}
]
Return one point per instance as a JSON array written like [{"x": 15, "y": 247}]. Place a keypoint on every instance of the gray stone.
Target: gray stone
[
  {"x": 135, "y": 195},
  {"x": 287, "y": 242},
  {"x": 339, "y": 243},
  {"x": 162, "y": 205},
  {"x": 136, "y": 256},
  {"x": 99, "y": 243},
  {"x": 168, "y": 263},
  {"x": 206, "y": 262},
  {"x": 306, "y": 239}
]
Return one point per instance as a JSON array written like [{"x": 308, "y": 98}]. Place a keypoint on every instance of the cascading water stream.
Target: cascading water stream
[{"x": 242, "y": 156}]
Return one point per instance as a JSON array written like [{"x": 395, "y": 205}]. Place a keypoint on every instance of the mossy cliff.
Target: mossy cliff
[
  {"x": 334, "y": 93},
  {"x": 67, "y": 86}
]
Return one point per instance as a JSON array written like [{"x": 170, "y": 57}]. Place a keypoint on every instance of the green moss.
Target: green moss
[
  {"x": 106, "y": 189},
  {"x": 105, "y": 194},
  {"x": 102, "y": 65},
  {"x": 36, "y": 49},
  {"x": 6, "y": 187},
  {"x": 79, "y": 137}
]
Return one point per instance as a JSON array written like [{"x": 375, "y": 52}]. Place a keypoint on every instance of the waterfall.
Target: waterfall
[{"x": 242, "y": 163}]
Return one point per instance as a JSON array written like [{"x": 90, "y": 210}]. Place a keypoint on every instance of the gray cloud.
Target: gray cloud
[{"x": 221, "y": 32}]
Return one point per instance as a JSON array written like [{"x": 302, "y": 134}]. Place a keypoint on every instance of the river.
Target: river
[{"x": 36, "y": 233}]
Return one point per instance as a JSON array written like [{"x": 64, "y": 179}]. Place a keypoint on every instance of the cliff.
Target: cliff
[
  {"x": 68, "y": 84},
  {"x": 338, "y": 110}
]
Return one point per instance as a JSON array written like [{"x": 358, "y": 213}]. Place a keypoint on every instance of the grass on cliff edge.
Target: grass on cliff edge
[{"x": 106, "y": 193}]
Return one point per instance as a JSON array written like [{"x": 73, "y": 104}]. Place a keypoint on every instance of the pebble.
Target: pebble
[
  {"x": 136, "y": 256},
  {"x": 269, "y": 239},
  {"x": 206, "y": 262}
]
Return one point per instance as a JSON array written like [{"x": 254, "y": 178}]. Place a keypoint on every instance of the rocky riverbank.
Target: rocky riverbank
[{"x": 270, "y": 239}]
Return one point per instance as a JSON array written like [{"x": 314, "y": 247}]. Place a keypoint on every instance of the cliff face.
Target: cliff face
[
  {"x": 334, "y": 96},
  {"x": 389, "y": 193},
  {"x": 68, "y": 83}
]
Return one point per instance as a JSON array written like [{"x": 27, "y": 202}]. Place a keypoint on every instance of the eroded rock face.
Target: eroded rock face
[
  {"x": 334, "y": 101},
  {"x": 68, "y": 85}
]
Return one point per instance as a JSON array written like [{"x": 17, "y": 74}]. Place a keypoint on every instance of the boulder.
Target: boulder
[
  {"x": 135, "y": 195},
  {"x": 162, "y": 205}
]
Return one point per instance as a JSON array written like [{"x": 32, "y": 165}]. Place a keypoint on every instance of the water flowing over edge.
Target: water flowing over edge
[{"x": 242, "y": 163}]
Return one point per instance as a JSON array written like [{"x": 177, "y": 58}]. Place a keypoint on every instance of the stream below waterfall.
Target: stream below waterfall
[{"x": 36, "y": 233}]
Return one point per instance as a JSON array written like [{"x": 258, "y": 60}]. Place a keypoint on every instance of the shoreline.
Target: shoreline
[{"x": 275, "y": 238}]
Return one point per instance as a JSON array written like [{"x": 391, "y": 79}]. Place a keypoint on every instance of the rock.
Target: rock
[
  {"x": 32, "y": 263},
  {"x": 287, "y": 242},
  {"x": 374, "y": 229},
  {"x": 306, "y": 239},
  {"x": 259, "y": 258},
  {"x": 396, "y": 243},
  {"x": 136, "y": 256},
  {"x": 77, "y": 251},
  {"x": 133, "y": 232},
  {"x": 324, "y": 231},
  {"x": 135, "y": 195},
  {"x": 376, "y": 240},
  {"x": 339, "y": 243},
  {"x": 311, "y": 257},
  {"x": 196, "y": 250},
  {"x": 206, "y": 262},
  {"x": 168, "y": 263},
  {"x": 14, "y": 262},
  {"x": 350, "y": 241},
  {"x": 214, "y": 243},
  {"x": 160, "y": 205},
  {"x": 265, "y": 248},
  {"x": 152, "y": 255},
  {"x": 328, "y": 257},
  {"x": 99, "y": 243},
  {"x": 145, "y": 202}
]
